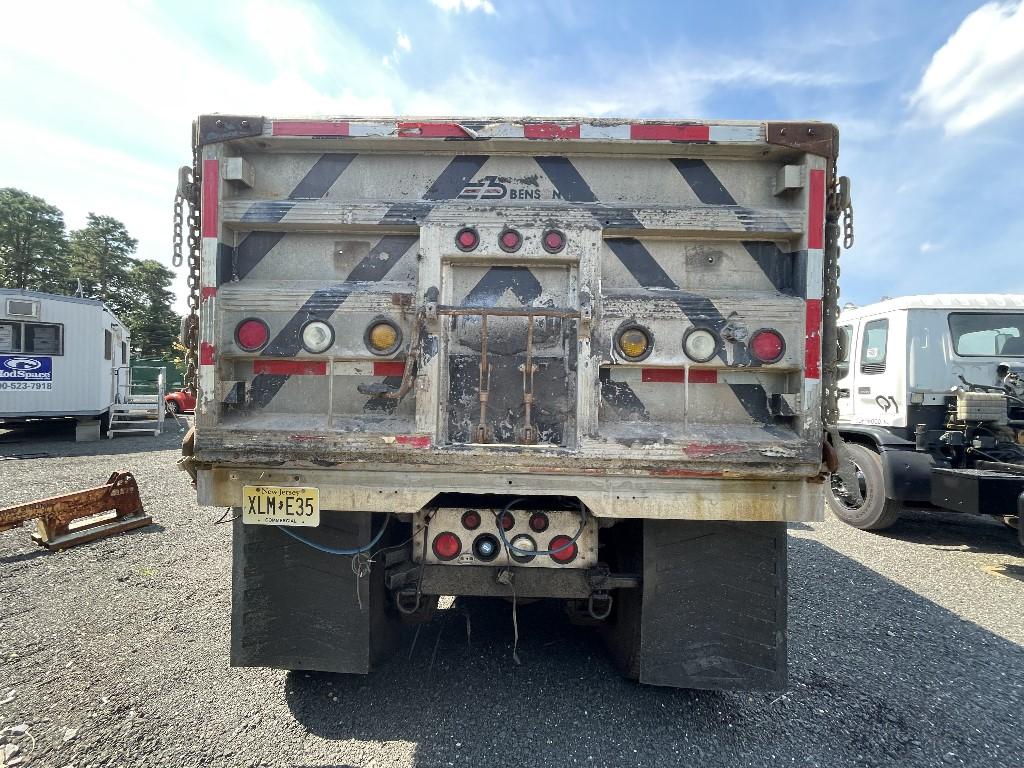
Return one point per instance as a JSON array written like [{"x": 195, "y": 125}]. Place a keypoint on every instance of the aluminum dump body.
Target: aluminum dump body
[{"x": 507, "y": 372}]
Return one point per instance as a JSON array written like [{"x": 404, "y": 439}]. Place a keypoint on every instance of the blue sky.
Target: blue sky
[{"x": 929, "y": 97}]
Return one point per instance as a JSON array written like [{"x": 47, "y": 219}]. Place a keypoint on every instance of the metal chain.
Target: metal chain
[
  {"x": 188, "y": 192},
  {"x": 838, "y": 194}
]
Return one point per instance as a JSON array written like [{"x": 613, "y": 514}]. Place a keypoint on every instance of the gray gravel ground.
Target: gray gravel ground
[{"x": 905, "y": 649}]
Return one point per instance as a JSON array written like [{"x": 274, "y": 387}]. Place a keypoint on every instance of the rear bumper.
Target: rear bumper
[{"x": 607, "y": 496}]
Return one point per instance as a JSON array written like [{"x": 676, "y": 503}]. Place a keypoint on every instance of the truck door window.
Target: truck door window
[
  {"x": 872, "y": 355},
  {"x": 844, "y": 340},
  {"x": 987, "y": 334},
  {"x": 10, "y": 337},
  {"x": 43, "y": 339}
]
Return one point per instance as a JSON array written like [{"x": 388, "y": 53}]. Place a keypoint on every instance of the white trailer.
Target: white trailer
[{"x": 60, "y": 357}]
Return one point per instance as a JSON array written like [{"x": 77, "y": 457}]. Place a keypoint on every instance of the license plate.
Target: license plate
[{"x": 276, "y": 505}]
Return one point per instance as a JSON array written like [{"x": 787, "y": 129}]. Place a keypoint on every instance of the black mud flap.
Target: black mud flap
[
  {"x": 294, "y": 607},
  {"x": 714, "y": 605}
]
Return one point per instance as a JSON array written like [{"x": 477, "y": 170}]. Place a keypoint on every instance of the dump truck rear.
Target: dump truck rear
[{"x": 590, "y": 360}]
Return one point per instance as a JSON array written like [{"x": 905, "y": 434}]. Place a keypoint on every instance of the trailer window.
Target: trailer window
[
  {"x": 108, "y": 345},
  {"x": 872, "y": 354},
  {"x": 987, "y": 334},
  {"x": 10, "y": 337},
  {"x": 43, "y": 339}
]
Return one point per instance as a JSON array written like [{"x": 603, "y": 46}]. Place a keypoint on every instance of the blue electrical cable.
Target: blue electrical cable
[{"x": 333, "y": 550}]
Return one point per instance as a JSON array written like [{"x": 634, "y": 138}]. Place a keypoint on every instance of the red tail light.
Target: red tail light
[
  {"x": 467, "y": 239},
  {"x": 563, "y": 549},
  {"x": 553, "y": 241},
  {"x": 538, "y": 522},
  {"x": 767, "y": 346},
  {"x": 510, "y": 240},
  {"x": 446, "y": 546},
  {"x": 252, "y": 334},
  {"x": 471, "y": 520},
  {"x": 508, "y": 522}
]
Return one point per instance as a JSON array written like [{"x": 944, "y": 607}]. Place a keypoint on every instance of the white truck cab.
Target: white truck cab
[{"x": 930, "y": 384}]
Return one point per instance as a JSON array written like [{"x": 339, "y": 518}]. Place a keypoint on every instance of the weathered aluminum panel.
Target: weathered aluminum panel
[{"x": 346, "y": 225}]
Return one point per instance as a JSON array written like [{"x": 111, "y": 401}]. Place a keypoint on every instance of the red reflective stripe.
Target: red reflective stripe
[
  {"x": 211, "y": 199},
  {"x": 207, "y": 292},
  {"x": 703, "y": 377},
  {"x": 290, "y": 367},
  {"x": 206, "y": 351},
  {"x": 414, "y": 441},
  {"x": 812, "y": 357},
  {"x": 309, "y": 128},
  {"x": 389, "y": 368},
  {"x": 551, "y": 131},
  {"x": 649, "y": 132},
  {"x": 432, "y": 130},
  {"x": 677, "y": 376},
  {"x": 816, "y": 210}
]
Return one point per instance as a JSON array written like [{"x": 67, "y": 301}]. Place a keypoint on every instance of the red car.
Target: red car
[{"x": 179, "y": 402}]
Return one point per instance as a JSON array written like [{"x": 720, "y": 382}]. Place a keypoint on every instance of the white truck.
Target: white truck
[
  {"x": 931, "y": 407},
  {"x": 60, "y": 357},
  {"x": 590, "y": 360}
]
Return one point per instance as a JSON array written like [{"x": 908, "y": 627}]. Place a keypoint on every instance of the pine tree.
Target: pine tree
[
  {"x": 153, "y": 324},
  {"x": 33, "y": 244},
  {"x": 101, "y": 257}
]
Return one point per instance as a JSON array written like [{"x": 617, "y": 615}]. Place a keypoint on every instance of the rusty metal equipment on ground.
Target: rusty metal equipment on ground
[{"x": 75, "y": 518}]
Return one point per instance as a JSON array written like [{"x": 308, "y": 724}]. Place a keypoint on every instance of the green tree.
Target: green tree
[
  {"x": 153, "y": 324},
  {"x": 101, "y": 257},
  {"x": 33, "y": 243}
]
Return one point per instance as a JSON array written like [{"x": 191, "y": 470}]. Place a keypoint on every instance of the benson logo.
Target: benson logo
[
  {"x": 20, "y": 368},
  {"x": 497, "y": 188}
]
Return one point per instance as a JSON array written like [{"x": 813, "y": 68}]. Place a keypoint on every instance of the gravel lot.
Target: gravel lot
[{"x": 904, "y": 648}]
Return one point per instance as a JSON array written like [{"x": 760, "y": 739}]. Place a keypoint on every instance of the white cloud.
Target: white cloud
[
  {"x": 403, "y": 42},
  {"x": 978, "y": 74},
  {"x": 457, "y": 6},
  {"x": 928, "y": 246}
]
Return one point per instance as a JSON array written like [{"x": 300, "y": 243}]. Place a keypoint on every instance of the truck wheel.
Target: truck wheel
[{"x": 875, "y": 512}]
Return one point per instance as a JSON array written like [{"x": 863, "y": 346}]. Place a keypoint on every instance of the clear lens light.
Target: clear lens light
[
  {"x": 383, "y": 337},
  {"x": 700, "y": 346},
  {"x": 317, "y": 337},
  {"x": 633, "y": 342},
  {"x": 524, "y": 543}
]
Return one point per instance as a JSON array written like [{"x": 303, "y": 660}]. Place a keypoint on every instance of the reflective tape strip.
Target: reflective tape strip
[
  {"x": 290, "y": 367},
  {"x": 588, "y": 131},
  {"x": 738, "y": 133},
  {"x": 657, "y": 132},
  {"x": 812, "y": 355},
  {"x": 211, "y": 197},
  {"x": 424, "y": 130},
  {"x": 815, "y": 276},
  {"x": 369, "y": 368},
  {"x": 816, "y": 210},
  {"x": 678, "y": 376},
  {"x": 551, "y": 130},
  {"x": 812, "y": 395},
  {"x": 309, "y": 128},
  {"x": 372, "y": 129},
  {"x": 208, "y": 264}
]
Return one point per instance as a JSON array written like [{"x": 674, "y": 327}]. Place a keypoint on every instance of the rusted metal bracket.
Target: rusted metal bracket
[
  {"x": 816, "y": 138},
  {"x": 75, "y": 518},
  {"x": 214, "y": 128}
]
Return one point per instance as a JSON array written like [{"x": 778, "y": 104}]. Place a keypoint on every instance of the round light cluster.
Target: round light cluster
[
  {"x": 633, "y": 342},
  {"x": 383, "y": 337},
  {"x": 317, "y": 337}
]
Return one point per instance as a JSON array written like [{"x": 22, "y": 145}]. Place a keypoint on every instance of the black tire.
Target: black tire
[
  {"x": 876, "y": 512},
  {"x": 173, "y": 408}
]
